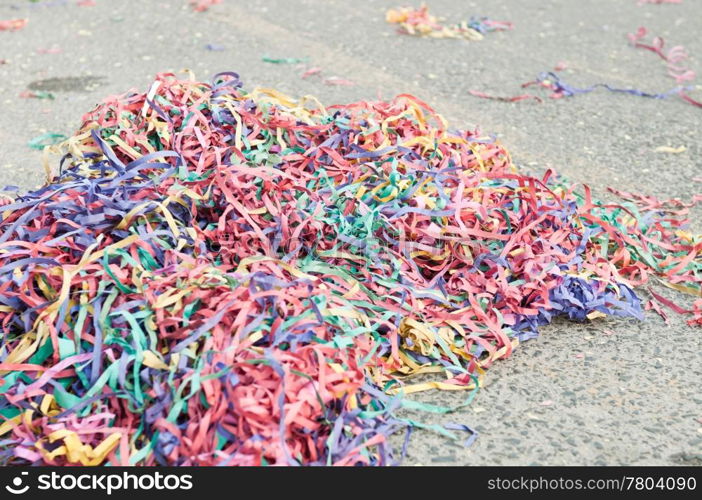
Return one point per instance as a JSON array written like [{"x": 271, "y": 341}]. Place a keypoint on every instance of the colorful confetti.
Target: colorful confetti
[
  {"x": 13, "y": 24},
  {"x": 553, "y": 82},
  {"x": 338, "y": 81},
  {"x": 670, "y": 149},
  {"x": 559, "y": 89},
  {"x": 418, "y": 22},
  {"x": 674, "y": 57},
  {"x": 202, "y": 5},
  {"x": 36, "y": 94},
  {"x": 311, "y": 72},
  {"x": 223, "y": 277},
  {"x": 51, "y": 50},
  {"x": 550, "y": 80},
  {"x": 284, "y": 60},
  {"x": 48, "y": 139}
]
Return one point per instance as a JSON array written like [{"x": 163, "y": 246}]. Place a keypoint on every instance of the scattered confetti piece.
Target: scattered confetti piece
[
  {"x": 462, "y": 427},
  {"x": 559, "y": 88},
  {"x": 36, "y": 94},
  {"x": 673, "y": 57},
  {"x": 203, "y": 5},
  {"x": 284, "y": 60},
  {"x": 552, "y": 81},
  {"x": 689, "y": 99},
  {"x": 486, "y": 25},
  {"x": 668, "y": 303},
  {"x": 13, "y": 24},
  {"x": 52, "y": 50},
  {"x": 215, "y": 47},
  {"x": 697, "y": 314},
  {"x": 335, "y": 80},
  {"x": 222, "y": 277},
  {"x": 653, "y": 305},
  {"x": 44, "y": 140},
  {"x": 546, "y": 402},
  {"x": 515, "y": 98},
  {"x": 311, "y": 72},
  {"x": 668, "y": 149}
]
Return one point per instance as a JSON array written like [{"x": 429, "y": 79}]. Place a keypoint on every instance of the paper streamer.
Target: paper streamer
[{"x": 222, "y": 277}]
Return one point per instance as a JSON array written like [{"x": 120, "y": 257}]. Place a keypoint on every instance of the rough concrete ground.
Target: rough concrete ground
[{"x": 609, "y": 392}]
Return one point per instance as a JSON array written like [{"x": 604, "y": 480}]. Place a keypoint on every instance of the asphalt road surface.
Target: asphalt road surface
[{"x": 608, "y": 392}]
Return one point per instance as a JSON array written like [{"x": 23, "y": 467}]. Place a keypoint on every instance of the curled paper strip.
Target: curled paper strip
[
  {"x": 674, "y": 58},
  {"x": 48, "y": 139},
  {"x": 221, "y": 277},
  {"x": 559, "y": 88},
  {"x": 283, "y": 60}
]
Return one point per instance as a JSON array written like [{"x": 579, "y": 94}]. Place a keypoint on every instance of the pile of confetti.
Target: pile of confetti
[
  {"x": 223, "y": 277},
  {"x": 418, "y": 22}
]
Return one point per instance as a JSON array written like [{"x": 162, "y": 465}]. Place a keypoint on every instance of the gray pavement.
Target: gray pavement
[{"x": 609, "y": 392}]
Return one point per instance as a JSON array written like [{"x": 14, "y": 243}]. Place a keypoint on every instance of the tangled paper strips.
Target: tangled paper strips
[
  {"x": 418, "y": 22},
  {"x": 202, "y": 5},
  {"x": 223, "y": 277},
  {"x": 674, "y": 58}
]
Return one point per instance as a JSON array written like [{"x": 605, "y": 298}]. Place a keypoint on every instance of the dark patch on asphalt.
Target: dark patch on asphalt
[{"x": 68, "y": 84}]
